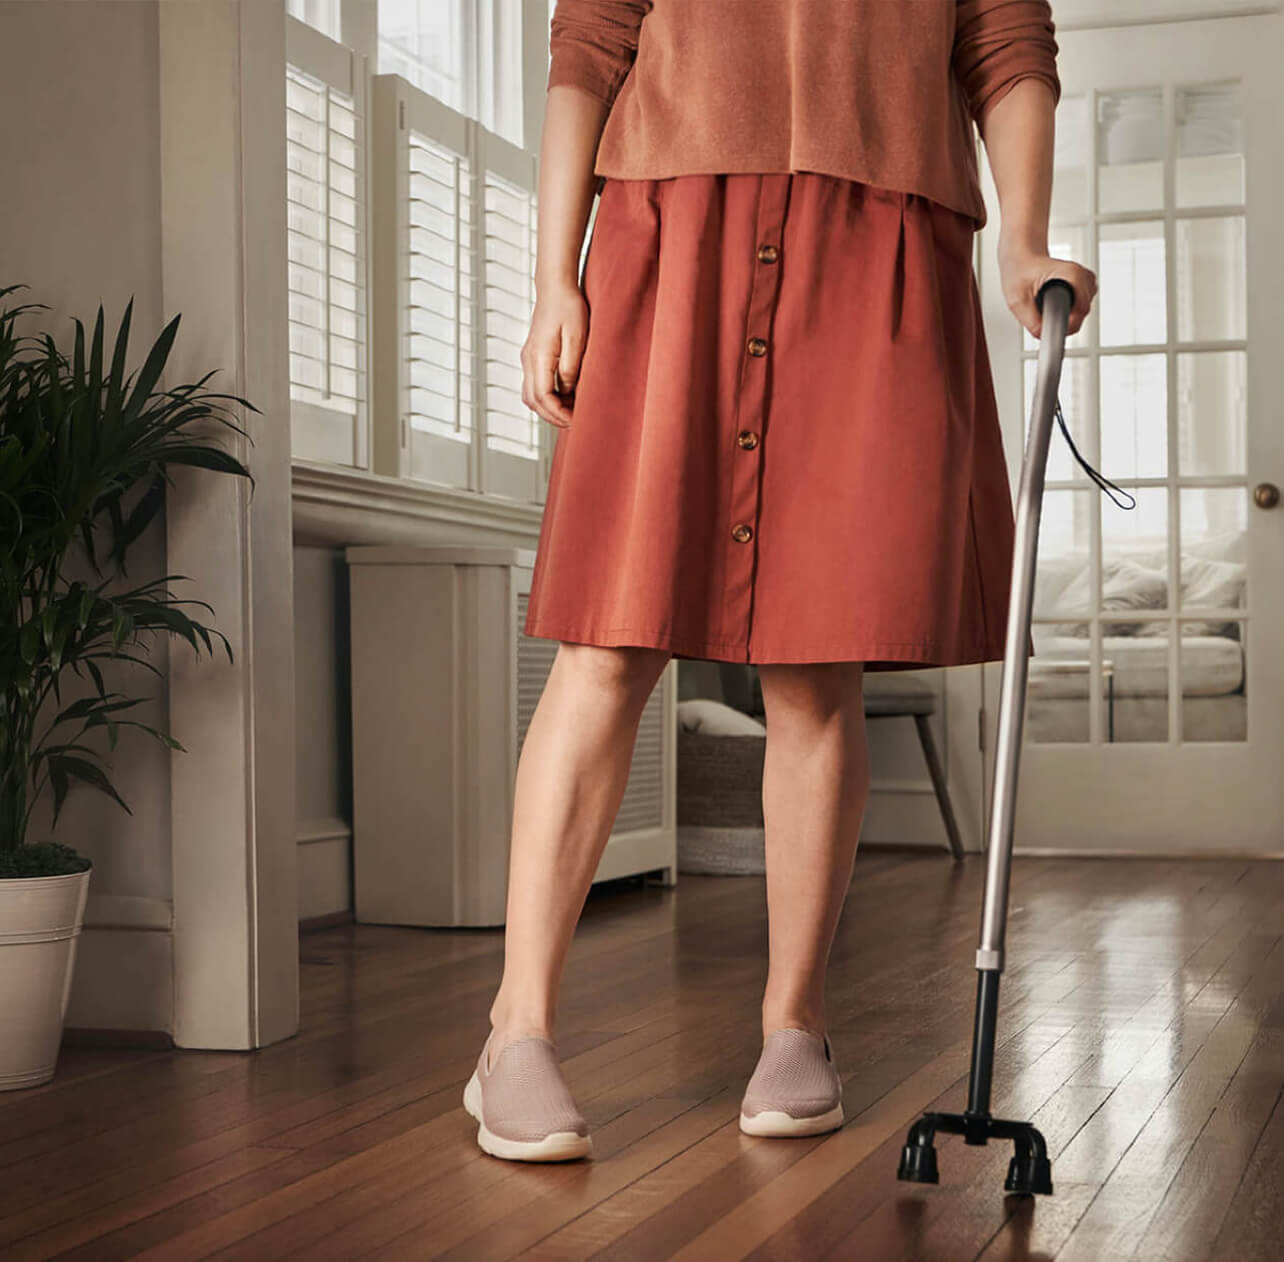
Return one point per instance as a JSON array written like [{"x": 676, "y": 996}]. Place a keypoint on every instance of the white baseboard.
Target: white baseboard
[
  {"x": 325, "y": 867},
  {"x": 124, "y": 974}
]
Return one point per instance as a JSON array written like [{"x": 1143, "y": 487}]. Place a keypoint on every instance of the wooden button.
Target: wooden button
[
  {"x": 742, "y": 533},
  {"x": 747, "y": 439},
  {"x": 768, "y": 254},
  {"x": 757, "y": 347}
]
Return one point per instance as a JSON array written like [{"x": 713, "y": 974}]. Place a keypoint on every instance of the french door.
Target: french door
[{"x": 1155, "y": 708}]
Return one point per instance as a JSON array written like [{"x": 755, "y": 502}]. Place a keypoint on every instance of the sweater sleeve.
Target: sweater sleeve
[
  {"x": 593, "y": 44},
  {"x": 997, "y": 43}
]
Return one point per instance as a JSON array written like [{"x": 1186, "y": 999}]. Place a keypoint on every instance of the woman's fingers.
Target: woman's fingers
[
  {"x": 568, "y": 365},
  {"x": 1036, "y": 275},
  {"x": 551, "y": 356},
  {"x": 545, "y": 400},
  {"x": 539, "y": 382},
  {"x": 1084, "y": 283}
]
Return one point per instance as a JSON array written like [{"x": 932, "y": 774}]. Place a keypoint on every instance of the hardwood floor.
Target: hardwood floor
[{"x": 1141, "y": 1027}]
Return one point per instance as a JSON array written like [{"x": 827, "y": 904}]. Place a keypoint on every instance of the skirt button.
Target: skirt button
[
  {"x": 768, "y": 254},
  {"x": 742, "y": 533},
  {"x": 747, "y": 439},
  {"x": 757, "y": 346}
]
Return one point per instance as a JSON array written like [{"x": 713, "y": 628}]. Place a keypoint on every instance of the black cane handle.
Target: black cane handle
[{"x": 1058, "y": 282}]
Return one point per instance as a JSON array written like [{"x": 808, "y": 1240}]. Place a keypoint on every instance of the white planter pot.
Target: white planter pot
[{"x": 40, "y": 919}]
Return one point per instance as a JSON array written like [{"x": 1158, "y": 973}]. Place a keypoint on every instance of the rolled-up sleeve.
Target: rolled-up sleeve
[
  {"x": 997, "y": 43},
  {"x": 593, "y": 44}
]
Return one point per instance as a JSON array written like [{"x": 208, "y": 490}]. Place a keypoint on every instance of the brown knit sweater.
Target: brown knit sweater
[{"x": 882, "y": 91}]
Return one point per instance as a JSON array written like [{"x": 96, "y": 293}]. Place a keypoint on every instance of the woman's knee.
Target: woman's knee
[
  {"x": 812, "y": 690},
  {"x": 627, "y": 671}
]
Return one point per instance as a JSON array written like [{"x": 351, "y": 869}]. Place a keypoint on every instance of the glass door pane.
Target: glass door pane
[{"x": 1155, "y": 396}]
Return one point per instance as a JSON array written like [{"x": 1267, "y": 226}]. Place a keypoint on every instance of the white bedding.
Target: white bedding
[{"x": 1211, "y": 665}]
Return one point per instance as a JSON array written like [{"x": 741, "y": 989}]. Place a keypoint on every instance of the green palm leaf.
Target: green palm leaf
[{"x": 85, "y": 453}]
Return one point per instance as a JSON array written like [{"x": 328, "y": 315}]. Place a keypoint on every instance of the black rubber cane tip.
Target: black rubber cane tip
[
  {"x": 918, "y": 1164},
  {"x": 1028, "y": 1176}
]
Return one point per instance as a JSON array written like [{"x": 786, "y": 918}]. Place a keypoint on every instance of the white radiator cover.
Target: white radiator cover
[{"x": 444, "y": 685}]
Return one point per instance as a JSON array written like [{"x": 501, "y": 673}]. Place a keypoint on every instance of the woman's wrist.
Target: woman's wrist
[
  {"x": 558, "y": 276},
  {"x": 1022, "y": 239}
]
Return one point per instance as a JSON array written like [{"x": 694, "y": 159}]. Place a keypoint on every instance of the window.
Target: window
[
  {"x": 466, "y": 54},
  {"x": 322, "y": 15},
  {"x": 326, "y": 247},
  {"x": 456, "y": 284},
  {"x": 405, "y": 339}
]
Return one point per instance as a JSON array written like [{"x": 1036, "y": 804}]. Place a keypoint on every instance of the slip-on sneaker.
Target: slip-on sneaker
[
  {"x": 795, "y": 1089},
  {"x": 523, "y": 1106}
]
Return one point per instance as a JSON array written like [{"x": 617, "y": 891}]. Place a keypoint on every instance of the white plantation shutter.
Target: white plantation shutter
[
  {"x": 425, "y": 265},
  {"x": 509, "y": 297},
  {"x": 454, "y": 267},
  {"x": 438, "y": 313},
  {"x": 512, "y": 430},
  {"x": 325, "y": 156}
]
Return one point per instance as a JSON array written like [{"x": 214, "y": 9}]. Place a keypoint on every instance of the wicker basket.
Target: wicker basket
[{"x": 720, "y": 826}]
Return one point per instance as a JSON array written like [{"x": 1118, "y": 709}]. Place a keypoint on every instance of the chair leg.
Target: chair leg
[{"x": 937, "y": 773}]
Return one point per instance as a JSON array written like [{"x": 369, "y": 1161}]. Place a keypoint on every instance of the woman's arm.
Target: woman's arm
[
  {"x": 573, "y": 122},
  {"x": 592, "y": 46},
  {"x": 1005, "y": 60},
  {"x": 1018, "y": 134}
]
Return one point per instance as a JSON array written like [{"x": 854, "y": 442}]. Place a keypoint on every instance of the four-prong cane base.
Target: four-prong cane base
[{"x": 1029, "y": 1171}]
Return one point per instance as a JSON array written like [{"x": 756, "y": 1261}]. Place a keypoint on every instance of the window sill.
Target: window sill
[{"x": 334, "y": 507}]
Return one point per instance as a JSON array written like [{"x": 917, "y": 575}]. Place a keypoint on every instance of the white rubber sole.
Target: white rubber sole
[
  {"x": 559, "y": 1146},
  {"x": 772, "y": 1122}
]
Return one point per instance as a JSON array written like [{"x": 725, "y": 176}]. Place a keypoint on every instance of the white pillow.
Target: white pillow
[
  {"x": 1124, "y": 585},
  {"x": 1230, "y": 545},
  {"x": 1054, "y": 575},
  {"x": 1212, "y": 584},
  {"x": 713, "y": 718}
]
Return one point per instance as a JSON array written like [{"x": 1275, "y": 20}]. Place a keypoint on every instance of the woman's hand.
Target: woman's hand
[
  {"x": 1024, "y": 271},
  {"x": 552, "y": 351}
]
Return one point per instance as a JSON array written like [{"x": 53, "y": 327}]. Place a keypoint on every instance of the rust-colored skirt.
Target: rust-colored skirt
[{"x": 785, "y": 444}]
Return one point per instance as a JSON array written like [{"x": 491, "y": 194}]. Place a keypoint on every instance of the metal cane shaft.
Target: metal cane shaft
[{"x": 1056, "y": 311}]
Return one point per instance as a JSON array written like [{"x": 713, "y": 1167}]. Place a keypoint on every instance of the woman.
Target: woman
[{"x": 778, "y": 444}]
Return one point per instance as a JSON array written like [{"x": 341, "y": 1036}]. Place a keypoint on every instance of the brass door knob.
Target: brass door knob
[{"x": 1266, "y": 495}]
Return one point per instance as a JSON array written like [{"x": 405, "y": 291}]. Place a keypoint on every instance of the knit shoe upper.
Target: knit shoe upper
[
  {"x": 795, "y": 1075},
  {"x": 524, "y": 1096}
]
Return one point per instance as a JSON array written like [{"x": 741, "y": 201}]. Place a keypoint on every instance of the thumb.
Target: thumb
[{"x": 568, "y": 361}]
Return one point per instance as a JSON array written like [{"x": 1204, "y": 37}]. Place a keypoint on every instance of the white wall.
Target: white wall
[
  {"x": 80, "y": 224},
  {"x": 1089, "y": 14}
]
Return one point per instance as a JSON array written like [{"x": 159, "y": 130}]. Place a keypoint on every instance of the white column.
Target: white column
[{"x": 222, "y": 160}]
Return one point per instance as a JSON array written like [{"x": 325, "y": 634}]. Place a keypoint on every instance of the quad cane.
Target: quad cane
[{"x": 1029, "y": 1171}]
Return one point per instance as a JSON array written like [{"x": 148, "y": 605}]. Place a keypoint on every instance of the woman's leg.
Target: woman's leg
[
  {"x": 571, "y": 778},
  {"x": 815, "y": 786}
]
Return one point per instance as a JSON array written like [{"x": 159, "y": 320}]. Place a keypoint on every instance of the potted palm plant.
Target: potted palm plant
[{"x": 85, "y": 449}]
